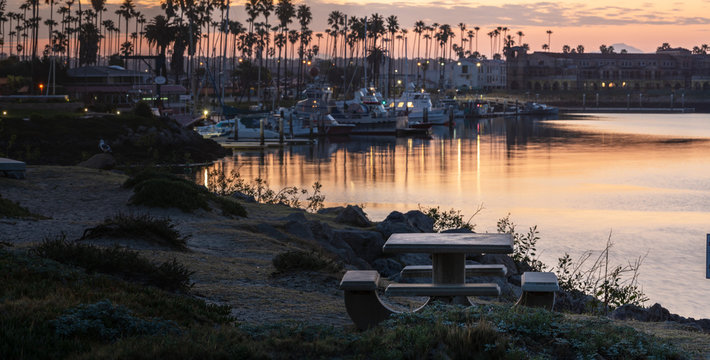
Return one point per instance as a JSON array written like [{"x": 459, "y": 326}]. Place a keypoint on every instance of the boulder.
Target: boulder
[
  {"x": 325, "y": 236},
  {"x": 353, "y": 215},
  {"x": 396, "y": 222},
  {"x": 331, "y": 210},
  {"x": 458, "y": 231},
  {"x": 498, "y": 259},
  {"x": 387, "y": 266},
  {"x": 366, "y": 244},
  {"x": 299, "y": 229},
  {"x": 102, "y": 161},
  {"x": 630, "y": 312},
  {"x": 420, "y": 221},
  {"x": 243, "y": 197}
]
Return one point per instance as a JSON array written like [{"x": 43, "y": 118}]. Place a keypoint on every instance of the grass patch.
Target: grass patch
[
  {"x": 13, "y": 210},
  {"x": 155, "y": 230},
  {"x": 124, "y": 263},
  {"x": 162, "y": 189},
  {"x": 302, "y": 260}
]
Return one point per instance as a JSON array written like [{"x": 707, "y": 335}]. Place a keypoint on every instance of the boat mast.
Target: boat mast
[{"x": 365, "y": 54}]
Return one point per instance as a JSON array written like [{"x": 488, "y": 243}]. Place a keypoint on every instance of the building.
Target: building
[
  {"x": 116, "y": 86},
  {"x": 476, "y": 74},
  {"x": 666, "y": 69}
]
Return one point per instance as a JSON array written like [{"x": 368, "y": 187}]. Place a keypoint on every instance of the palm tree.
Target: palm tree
[
  {"x": 520, "y": 37},
  {"x": 127, "y": 9},
  {"x": 285, "y": 11},
  {"x": 476, "y": 28},
  {"x": 549, "y": 33},
  {"x": 392, "y": 28},
  {"x": 470, "y": 39},
  {"x": 304, "y": 16},
  {"x": 160, "y": 33},
  {"x": 462, "y": 28},
  {"x": 335, "y": 21}
]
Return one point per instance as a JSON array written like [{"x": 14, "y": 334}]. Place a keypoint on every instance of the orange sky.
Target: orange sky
[{"x": 641, "y": 24}]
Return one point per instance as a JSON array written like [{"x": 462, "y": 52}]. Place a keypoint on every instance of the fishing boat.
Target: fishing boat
[
  {"x": 368, "y": 114},
  {"x": 226, "y": 128},
  {"x": 417, "y": 106}
]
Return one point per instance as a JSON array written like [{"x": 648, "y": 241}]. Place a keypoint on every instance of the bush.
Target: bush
[
  {"x": 159, "y": 231},
  {"x": 230, "y": 207},
  {"x": 11, "y": 209},
  {"x": 104, "y": 321},
  {"x": 446, "y": 220},
  {"x": 127, "y": 264},
  {"x": 168, "y": 193},
  {"x": 151, "y": 174},
  {"x": 302, "y": 260}
]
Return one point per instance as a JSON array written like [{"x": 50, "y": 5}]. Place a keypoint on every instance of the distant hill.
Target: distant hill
[{"x": 630, "y": 49}]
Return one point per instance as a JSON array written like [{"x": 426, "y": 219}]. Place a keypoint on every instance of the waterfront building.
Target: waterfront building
[
  {"x": 666, "y": 69},
  {"x": 475, "y": 74}
]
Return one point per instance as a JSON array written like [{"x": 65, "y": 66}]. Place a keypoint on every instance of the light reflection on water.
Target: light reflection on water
[{"x": 643, "y": 178}]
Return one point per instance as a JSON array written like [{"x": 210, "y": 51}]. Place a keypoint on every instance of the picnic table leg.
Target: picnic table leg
[
  {"x": 449, "y": 269},
  {"x": 365, "y": 308}
]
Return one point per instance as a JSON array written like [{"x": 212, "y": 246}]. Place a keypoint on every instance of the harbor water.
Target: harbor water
[{"x": 641, "y": 179}]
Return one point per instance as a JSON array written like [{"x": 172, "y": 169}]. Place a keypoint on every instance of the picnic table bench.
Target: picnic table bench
[
  {"x": 448, "y": 273},
  {"x": 12, "y": 168}
]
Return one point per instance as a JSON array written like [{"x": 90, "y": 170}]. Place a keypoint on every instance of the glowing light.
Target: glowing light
[
  {"x": 458, "y": 63},
  {"x": 86, "y": 109},
  {"x": 4, "y": 112},
  {"x": 118, "y": 112},
  {"x": 41, "y": 86},
  {"x": 205, "y": 112},
  {"x": 478, "y": 64}
]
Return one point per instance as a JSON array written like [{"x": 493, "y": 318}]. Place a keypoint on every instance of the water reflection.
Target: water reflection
[{"x": 643, "y": 177}]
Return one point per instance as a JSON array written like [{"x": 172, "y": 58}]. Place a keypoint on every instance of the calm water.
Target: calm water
[{"x": 643, "y": 178}]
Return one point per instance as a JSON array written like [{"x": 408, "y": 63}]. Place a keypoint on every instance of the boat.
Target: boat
[
  {"x": 314, "y": 100},
  {"x": 226, "y": 128},
  {"x": 368, "y": 114},
  {"x": 417, "y": 106},
  {"x": 533, "y": 108}
]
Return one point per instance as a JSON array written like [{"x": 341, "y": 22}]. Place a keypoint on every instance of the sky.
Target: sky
[{"x": 642, "y": 24}]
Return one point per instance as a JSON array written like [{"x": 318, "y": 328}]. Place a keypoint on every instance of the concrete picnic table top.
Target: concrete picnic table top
[{"x": 438, "y": 243}]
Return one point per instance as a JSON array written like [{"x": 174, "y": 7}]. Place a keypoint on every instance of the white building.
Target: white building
[{"x": 475, "y": 74}]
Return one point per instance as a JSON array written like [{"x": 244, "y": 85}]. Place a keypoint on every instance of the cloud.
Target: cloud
[{"x": 525, "y": 14}]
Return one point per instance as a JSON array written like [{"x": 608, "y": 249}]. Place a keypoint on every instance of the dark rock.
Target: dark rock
[
  {"x": 577, "y": 302},
  {"x": 366, "y": 244},
  {"x": 412, "y": 222},
  {"x": 658, "y": 313},
  {"x": 299, "y": 229},
  {"x": 325, "y": 236},
  {"x": 353, "y": 215},
  {"x": 271, "y": 231},
  {"x": 420, "y": 221},
  {"x": 498, "y": 259},
  {"x": 297, "y": 216},
  {"x": 387, "y": 266},
  {"x": 630, "y": 312},
  {"x": 244, "y": 197},
  {"x": 458, "y": 231},
  {"x": 331, "y": 210},
  {"x": 99, "y": 161}
]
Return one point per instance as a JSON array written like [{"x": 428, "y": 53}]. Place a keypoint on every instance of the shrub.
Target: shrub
[
  {"x": 127, "y": 264},
  {"x": 108, "y": 322},
  {"x": 168, "y": 193},
  {"x": 452, "y": 219},
  {"x": 156, "y": 174},
  {"x": 302, "y": 260},
  {"x": 160, "y": 231},
  {"x": 142, "y": 109},
  {"x": 230, "y": 207},
  {"x": 222, "y": 184},
  {"x": 11, "y": 209}
]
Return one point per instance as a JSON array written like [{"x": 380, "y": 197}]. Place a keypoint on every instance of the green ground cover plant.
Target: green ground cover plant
[
  {"x": 160, "y": 231},
  {"x": 121, "y": 262},
  {"x": 13, "y": 210}
]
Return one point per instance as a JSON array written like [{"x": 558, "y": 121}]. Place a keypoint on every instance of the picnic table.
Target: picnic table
[
  {"x": 448, "y": 275},
  {"x": 448, "y": 253}
]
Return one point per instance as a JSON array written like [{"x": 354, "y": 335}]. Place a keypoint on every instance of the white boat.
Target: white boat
[
  {"x": 367, "y": 112},
  {"x": 416, "y": 105},
  {"x": 226, "y": 128}
]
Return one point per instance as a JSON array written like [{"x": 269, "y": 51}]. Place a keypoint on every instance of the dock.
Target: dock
[
  {"x": 249, "y": 144},
  {"x": 639, "y": 110},
  {"x": 12, "y": 168}
]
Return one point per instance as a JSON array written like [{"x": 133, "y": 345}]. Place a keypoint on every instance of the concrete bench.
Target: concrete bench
[
  {"x": 361, "y": 300},
  {"x": 539, "y": 289},
  {"x": 424, "y": 271},
  {"x": 12, "y": 168},
  {"x": 442, "y": 290}
]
